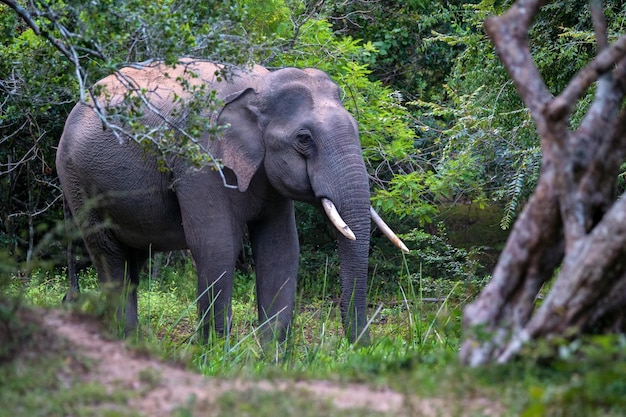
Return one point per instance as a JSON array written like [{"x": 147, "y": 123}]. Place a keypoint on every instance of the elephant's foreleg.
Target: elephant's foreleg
[{"x": 276, "y": 254}]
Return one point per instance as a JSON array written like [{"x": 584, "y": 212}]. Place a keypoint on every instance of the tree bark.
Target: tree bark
[{"x": 572, "y": 225}]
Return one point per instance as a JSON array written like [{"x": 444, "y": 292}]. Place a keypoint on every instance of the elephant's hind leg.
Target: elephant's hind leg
[
  {"x": 135, "y": 261},
  {"x": 118, "y": 270}
]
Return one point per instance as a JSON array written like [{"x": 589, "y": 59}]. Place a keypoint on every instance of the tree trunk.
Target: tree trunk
[{"x": 572, "y": 224}]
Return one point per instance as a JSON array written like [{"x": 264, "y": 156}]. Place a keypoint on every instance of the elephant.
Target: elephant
[{"x": 282, "y": 135}]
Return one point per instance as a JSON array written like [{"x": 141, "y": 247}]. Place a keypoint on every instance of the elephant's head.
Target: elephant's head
[{"x": 292, "y": 123}]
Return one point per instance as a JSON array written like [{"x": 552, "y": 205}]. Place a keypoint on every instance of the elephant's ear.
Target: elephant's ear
[{"x": 241, "y": 147}]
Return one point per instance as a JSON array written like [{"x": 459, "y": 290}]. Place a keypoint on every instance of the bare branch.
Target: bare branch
[
  {"x": 36, "y": 213},
  {"x": 603, "y": 63},
  {"x": 591, "y": 266},
  {"x": 572, "y": 219},
  {"x": 519, "y": 274},
  {"x": 599, "y": 24},
  {"x": 509, "y": 34}
]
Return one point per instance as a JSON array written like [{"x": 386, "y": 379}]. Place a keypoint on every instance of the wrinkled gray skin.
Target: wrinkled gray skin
[{"x": 289, "y": 138}]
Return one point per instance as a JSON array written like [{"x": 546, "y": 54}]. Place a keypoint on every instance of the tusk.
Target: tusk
[
  {"x": 387, "y": 231},
  {"x": 335, "y": 218}
]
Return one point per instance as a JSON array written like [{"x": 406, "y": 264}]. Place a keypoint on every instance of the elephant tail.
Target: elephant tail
[{"x": 72, "y": 275}]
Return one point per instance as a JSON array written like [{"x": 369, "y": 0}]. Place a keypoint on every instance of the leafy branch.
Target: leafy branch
[{"x": 45, "y": 22}]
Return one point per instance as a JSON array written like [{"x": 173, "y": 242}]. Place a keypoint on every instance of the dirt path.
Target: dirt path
[{"x": 163, "y": 387}]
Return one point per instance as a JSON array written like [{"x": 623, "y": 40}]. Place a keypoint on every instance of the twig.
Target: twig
[{"x": 601, "y": 64}]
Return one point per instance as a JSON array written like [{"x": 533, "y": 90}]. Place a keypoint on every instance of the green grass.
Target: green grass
[
  {"x": 415, "y": 331},
  {"x": 401, "y": 325}
]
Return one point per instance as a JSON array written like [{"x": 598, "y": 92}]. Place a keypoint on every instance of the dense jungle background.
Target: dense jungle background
[
  {"x": 449, "y": 146},
  {"x": 451, "y": 151},
  {"x": 446, "y": 140}
]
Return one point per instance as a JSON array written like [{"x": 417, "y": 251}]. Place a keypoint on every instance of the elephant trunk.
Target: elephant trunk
[
  {"x": 345, "y": 182},
  {"x": 353, "y": 261},
  {"x": 352, "y": 199}
]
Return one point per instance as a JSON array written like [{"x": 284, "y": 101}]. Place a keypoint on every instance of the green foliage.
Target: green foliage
[
  {"x": 481, "y": 115},
  {"x": 478, "y": 153},
  {"x": 267, "y": 21},
  {"x": 418, "y": 193},
  {"x": 399, "y": 31},
  {"x": 436, "y": 258},
  {"x": 385, "y": 124},
  {"x": 35, "y": 88},
  {"x": 587, "y": 377},
  {"x": 408, "y": 195},
  {"x": 482, "y": 128}
]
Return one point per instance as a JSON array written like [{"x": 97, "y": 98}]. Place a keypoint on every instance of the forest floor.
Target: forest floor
[{"x": 156, "y": 388}]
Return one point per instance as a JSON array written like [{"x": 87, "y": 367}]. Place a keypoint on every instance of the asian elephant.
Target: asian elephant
[{"x": 285, "y": 136}]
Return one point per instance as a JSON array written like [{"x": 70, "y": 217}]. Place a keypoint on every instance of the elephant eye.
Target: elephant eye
[{"x": 304, "y": 142}]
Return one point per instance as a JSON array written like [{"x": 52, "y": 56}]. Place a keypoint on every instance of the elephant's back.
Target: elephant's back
[
  {"x": 159, "y": 83},
  {"x": 165, "y": 84}
]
